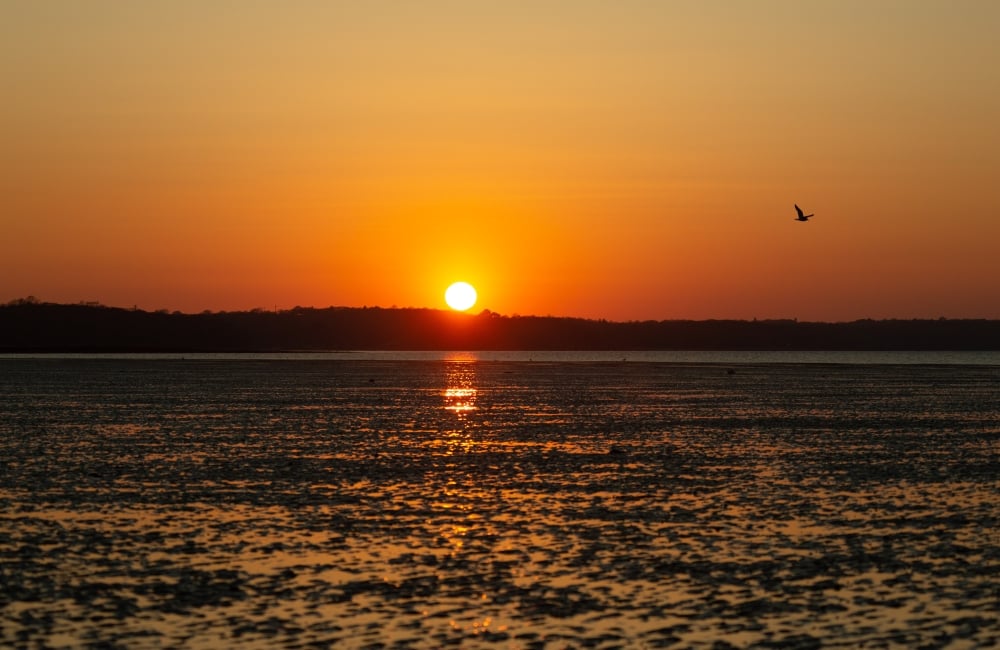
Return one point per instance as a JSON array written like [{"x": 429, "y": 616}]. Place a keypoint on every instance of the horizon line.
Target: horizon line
[{"x": 32, "y": 300}]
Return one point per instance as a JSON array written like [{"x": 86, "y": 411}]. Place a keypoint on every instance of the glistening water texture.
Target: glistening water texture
[{"x": 500, "y": 504}]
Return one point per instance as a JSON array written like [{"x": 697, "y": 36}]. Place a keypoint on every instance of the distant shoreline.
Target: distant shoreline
[
  {"x": 728, "y": 362},
  {"x": 33, "y": 327}
]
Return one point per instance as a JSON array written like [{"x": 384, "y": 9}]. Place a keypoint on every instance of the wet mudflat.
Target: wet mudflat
[{"x": 383, "y": 504}]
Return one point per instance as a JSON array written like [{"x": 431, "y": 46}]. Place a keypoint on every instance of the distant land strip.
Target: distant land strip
[{"x": 27, "y": 325}]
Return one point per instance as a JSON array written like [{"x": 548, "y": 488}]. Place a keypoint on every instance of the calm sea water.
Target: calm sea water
[
  {"x": 649, "y": 356},
  {"x": 502, "y": 500}
]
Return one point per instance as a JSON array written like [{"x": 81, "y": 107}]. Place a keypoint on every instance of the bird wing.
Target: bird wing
[{"x": 799, "y": 210}]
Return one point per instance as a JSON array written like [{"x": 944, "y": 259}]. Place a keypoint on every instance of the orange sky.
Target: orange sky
[{"x": 624, "y": 160}]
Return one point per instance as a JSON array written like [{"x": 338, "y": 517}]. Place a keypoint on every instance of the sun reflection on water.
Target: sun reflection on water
[{"x": 460, "y": 381}]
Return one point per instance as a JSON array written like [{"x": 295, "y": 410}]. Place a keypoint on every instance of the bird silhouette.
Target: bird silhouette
[{"x": 801, "y": 217}]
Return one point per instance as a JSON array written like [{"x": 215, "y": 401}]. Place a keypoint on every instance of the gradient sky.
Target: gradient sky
[{"x": 636, "y": 159}]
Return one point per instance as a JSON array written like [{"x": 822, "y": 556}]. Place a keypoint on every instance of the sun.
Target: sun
[{"x": 460, "y": 296}]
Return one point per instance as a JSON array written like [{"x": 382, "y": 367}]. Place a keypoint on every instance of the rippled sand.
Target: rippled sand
[{"x": 150, "y": 504}]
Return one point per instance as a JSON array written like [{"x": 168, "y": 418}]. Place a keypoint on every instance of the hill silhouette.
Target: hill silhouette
[{"x": 27, "y": 325}]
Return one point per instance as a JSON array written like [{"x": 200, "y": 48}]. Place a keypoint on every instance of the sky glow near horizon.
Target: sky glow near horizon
[{"x": 631, "y": 160}]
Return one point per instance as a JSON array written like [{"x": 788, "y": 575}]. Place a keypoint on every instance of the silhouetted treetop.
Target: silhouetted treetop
[{"x": 30, "y": 325}]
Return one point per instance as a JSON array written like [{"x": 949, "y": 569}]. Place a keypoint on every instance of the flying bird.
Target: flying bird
[{"x": 801, "y": 217}]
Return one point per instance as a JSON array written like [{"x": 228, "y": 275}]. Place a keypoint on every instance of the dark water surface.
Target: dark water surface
[{"x": 369, "y": 503}]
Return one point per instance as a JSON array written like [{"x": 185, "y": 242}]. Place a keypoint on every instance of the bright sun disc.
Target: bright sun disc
[{"x": 460, "y": 296}]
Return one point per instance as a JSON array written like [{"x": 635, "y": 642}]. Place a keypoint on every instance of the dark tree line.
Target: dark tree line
[{"x": 28, "y": 325}]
